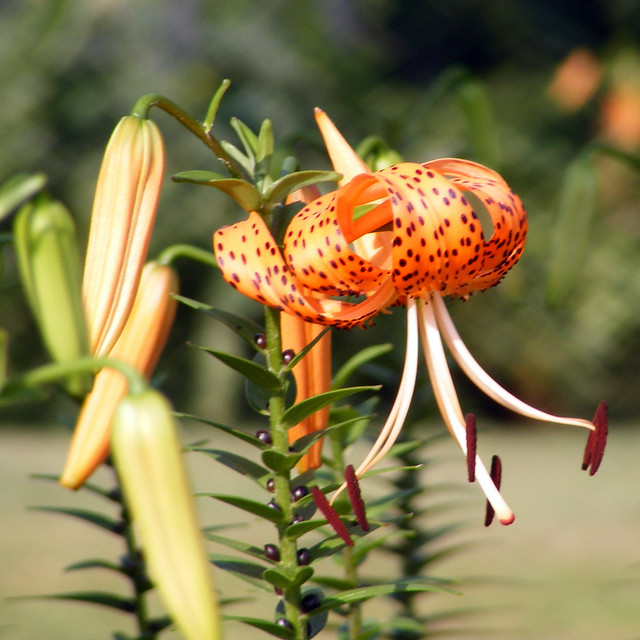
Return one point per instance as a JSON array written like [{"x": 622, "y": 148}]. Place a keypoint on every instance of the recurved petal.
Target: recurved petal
[
  {"x": 506, "y": 244},
  {"x": 344, "y": 159},
  {"x": 250, "y": 261}
]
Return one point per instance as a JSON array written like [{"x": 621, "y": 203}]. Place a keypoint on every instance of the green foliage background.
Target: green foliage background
[{"x": 69, "y": 70}]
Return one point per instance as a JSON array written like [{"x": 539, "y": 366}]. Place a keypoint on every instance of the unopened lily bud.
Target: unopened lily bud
[
  {"x": 147, "y": 455},
  {"x": 312, "y": 376},
  {"x": 140, "y": 344},
  {"x": 47, "y": 251},
  {"x": 123, "y": 214}
]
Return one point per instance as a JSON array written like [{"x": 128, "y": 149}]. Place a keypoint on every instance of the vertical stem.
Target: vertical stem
[
  {"x": 282, "y": 479},
  {"x": 354, "y": 617},
  {"x": 136, "y": 570}
]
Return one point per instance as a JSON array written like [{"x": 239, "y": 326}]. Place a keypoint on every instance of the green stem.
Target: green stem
[
  {"x": 169, "y": 255},
  {"x": 282, "y": 479},
  {"x": 354, "y": 616},
  {"x": 53, "y": 372},
  {"x": 137, "y": 573},
  {"x": 143, "y": 106}
]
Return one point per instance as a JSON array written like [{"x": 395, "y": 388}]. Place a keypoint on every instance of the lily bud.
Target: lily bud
[
  {"x": 47, "y": 252},
  {"x": 140, "y": 344},
  {"x": 148, "y": 458},
  {"x": 123, "y": 214},
  {"x": 312, "y": 376}
]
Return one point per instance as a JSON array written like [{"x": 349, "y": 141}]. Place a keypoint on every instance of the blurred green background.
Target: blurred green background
[{"x": 477, "y": 79}]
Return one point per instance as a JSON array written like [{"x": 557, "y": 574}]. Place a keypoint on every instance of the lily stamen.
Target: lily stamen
[{"x": 472, "y": 437}]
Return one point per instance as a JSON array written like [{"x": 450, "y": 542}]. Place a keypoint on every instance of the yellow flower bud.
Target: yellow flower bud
[
  {"x": 148, "y": 458},
  {"x": 47, "y": 252},
  {"x": 123, "y": 214},
  {"x": 140, "y": 344}
]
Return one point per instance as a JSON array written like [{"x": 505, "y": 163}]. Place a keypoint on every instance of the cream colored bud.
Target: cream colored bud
[
  {"x": 148, "y": 457},
  {"x": 124, "y": 210}
]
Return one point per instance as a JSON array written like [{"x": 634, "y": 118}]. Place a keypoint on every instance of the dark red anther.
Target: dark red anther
[
  {"x": 496, "y": 476},
  {"x": 472, "y": 438},
  {"x": 597, "y": 440},
  {"x": 331, "y": 515},
  {"x": 357, "y": 503}
]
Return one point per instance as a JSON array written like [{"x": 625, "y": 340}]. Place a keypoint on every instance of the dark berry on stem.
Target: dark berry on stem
[
  {"x": 287, "y": 355},
  {"x": 264, "y": 437},
  {"x": 271, "y": 485},
  {"x": 299, "y": 492},
  {"x": 304, "y": 557},
  {"x": 272, "y": 552},
  {"x": 283, "y": 622},
  {"x": 310, "y": 602},
  {"x": 260, "y": 340}
]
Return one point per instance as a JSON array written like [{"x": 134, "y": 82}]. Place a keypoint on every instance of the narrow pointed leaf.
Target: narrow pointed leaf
[
  {"x": 304, "y": 409},
  {"x": 94, "y": 564},
  {"x": 303, "y": 352},
  {"x": 256, "y": 508},
  {"x": 264, "y": 625},
  {"x": 294, "y": 531},
  {"x": 214, "y": 104},
  {"x": 238, "y": 545},
  {"x": 239, "y": 566},
  {"x": 243, "y": 327},
  {"x": 94, "y": 597},
  {"x": 247, "y": 137},
  {"x": 358, "y": 360},
  {"x": 244, "y": 193},
  {"x": 289, "y": 183},
  {"x": 264, "y": 149},
  {"x": 238, "y": 463},
  {"x": 248, "y": 164},
  {"x": 248, "y": 368},
  {"x": 100, "y": 520},
  {"x": 360, "y": 594},
  {"x": 236, "y": 433}
]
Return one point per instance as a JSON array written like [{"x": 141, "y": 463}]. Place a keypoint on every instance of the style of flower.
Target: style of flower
[{"x": 407, "y": 235}]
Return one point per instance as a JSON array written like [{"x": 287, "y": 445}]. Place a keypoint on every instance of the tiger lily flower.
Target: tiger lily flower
[{"x": 407, "y": 235}]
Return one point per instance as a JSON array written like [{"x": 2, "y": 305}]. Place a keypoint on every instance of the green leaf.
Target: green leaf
[
  {"x": 358, "y": 360},
  {"x": 17, "y": 189},
  {"x": 100, "y": 520},
  {"x": 285, "y": 577},
  {"x": 304, "y": 443},
  {"x": 248, "y": 164},
  {"x": 264, "y": 147},
  {"x": 238, "y": 463},
  {"x": 247, "y": 137},
  {"x": 214, "y": 104},
  {"x": 94, "y": 564},
  {"x": 238, "y": 545},
  {"x": 264, "y": 625},
  {"x": 256, "y": 508},
  {"x": 236, "y": 433},
  {"x": 278, "y": 461},
  {"x": 360, "y": 594},
  {"x": 282, "y": 187},
  {"x": 243, "y": 327},
  {"x": 251, "y": 370},
  {"x": 94, "y": 597},
  {"x": 305, "y": 408},
  {"x": 244, "y": 193},
  {"x": 238, "y": 566},
  {"x": 303, "y": 352},
  {"x": 294, "y": 531},
  {"x": 109, "y": 494}
]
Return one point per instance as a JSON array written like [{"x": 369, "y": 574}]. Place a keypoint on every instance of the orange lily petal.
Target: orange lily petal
[{"x": 312, "y": 376}]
